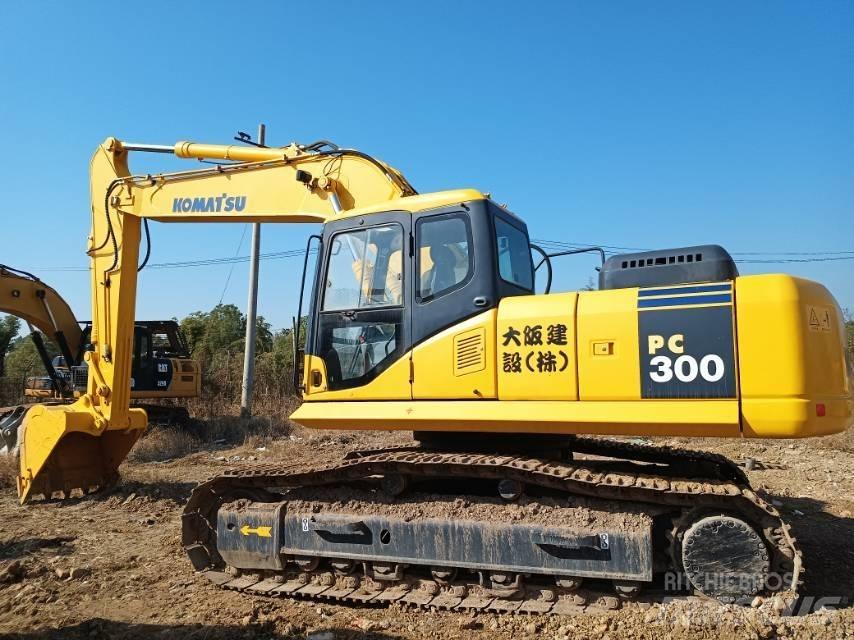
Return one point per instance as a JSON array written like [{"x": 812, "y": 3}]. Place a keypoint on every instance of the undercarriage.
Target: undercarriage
[{"x": 587, "y": 523}]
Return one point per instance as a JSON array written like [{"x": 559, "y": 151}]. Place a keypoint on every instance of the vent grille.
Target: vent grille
[
  {"x": 469, "y": 352},
  {"x": 658, "y": 261},
  {"x": 79, "y": 376}
]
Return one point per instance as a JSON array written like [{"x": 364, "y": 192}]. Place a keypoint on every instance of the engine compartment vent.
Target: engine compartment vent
[
  {"x": 469, "y": 352},
  {"x": 703, "y": 263}
]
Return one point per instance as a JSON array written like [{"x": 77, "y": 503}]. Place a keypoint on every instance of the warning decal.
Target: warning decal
[{"x": 818, "y": 318}]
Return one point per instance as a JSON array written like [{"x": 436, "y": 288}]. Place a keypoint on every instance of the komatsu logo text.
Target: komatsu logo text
[{"x": 211, "y": 204}]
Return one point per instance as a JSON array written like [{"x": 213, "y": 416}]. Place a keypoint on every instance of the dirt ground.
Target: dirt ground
[{"x": 111, "y": 566}]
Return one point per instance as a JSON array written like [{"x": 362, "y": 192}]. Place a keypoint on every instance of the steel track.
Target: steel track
[{"x": 653, "y": 479}]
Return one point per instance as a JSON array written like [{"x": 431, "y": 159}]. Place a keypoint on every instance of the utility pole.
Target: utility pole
[{"x": 251, "y": 310}]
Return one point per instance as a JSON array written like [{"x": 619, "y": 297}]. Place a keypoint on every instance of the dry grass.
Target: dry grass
[
  {"x": 215, "y": 414},
  {"x": 274, "y": 408},
  {"x": 167, "y": 443},
  {"x": 8, "y": 470},
  {"x": 159, "y": 445},
  {"x": 236, "y": 430}
]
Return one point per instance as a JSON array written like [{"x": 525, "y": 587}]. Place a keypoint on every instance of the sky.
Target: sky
[{"x": 626, "y": 124}]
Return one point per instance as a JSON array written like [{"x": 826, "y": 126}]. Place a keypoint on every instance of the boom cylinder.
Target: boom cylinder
[
  {"x": 228, "y": 152},
  {"x": 185, "y": 149}
]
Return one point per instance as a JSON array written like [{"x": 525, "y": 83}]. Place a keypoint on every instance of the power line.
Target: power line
[
  {"x": 796, "y": 260},
  {"x": 202, "y": 262},
  {"x": 231, "y": 270},
  {"x": 804, "y": 256},
  {"x": 580, "y": 245},
  {"x": 781, "y": 257}
]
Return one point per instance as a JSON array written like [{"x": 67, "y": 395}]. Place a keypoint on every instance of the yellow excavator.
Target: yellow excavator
[
  {"x": 423, "y": 317},
  {"x": 161, "y": 363}
]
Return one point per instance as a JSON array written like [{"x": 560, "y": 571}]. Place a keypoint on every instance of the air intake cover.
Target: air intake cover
[
  {"x": 469, "y": 352},
  {"x": 705, "y": 263}
]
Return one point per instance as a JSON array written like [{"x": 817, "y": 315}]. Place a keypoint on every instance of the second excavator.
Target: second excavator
[
  {"x": 423, "y": 316},
  {"x": 161, "y": 364}
]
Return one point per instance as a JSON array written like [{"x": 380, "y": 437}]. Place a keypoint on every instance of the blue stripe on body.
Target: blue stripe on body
[
  {"x": 701, "y": 288},
  {"x": 684, "y": 301}
]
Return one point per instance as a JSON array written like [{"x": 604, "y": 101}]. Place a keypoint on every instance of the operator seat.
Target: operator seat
[{"x": 443, "y": 274}]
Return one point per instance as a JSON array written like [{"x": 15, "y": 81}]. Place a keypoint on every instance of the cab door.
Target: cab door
[
  {"x": 454, "y": 305},
  {"x": 362, "y": 329}
]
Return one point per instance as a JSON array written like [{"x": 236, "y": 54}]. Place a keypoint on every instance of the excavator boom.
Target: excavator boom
[{"x": 80, "y": 446}]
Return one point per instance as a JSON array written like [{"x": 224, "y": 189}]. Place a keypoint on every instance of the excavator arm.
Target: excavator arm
[
  {"x": 80, "y": 446},
  {"x": 23, "y": 295}
]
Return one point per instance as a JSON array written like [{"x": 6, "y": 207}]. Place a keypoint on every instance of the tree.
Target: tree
[
  {"x": 9, "y": 327},
  {"x": 283, "y": 347},
  {"x": 222, "y": 330},
  {"x": 590, "y": 286},
  {"x": 263, "y": 335},
  {"x": 849, "y": 330},
  {"x": 24, "y": 360}
]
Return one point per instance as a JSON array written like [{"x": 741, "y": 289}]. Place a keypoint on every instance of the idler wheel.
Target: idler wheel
[
  {"x": 725, "y": 558},
  {"x": 394, "y": 484},
  {"x": 510, "y": 490}
]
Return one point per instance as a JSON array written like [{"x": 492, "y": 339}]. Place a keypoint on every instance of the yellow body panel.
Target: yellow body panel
[
  {"x": 537, "y": 346},
  {"x": 391, "y": 384},
  {"x": 608, "y": 362},
  {"x": 787, "y": 360},
  {"x": 641, "y": 417},
  {"x": 790, "y": 340},
  {"x": 421, "y": 202},
  {"x": 459, "y": 362}
]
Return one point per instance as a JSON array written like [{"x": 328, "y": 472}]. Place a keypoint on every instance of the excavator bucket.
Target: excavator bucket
[{"x": 62, "y": 451}]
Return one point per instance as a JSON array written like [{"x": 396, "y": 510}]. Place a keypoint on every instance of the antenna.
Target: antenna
[{"x": 245, "y": 138}]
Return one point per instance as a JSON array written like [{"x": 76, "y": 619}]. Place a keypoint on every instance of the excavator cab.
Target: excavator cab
[
  {"x": 161, "y": 362},
  {"x": 389, "y": 282}
]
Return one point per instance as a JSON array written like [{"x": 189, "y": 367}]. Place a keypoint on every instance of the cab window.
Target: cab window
[
  {"x": 160, "y": 341},
  {"x": 514, "y": 255},
  {"x": 365, "y": 269},
  {"x": 444, "y": 255},
  {"x": 361, "y": 318}
]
